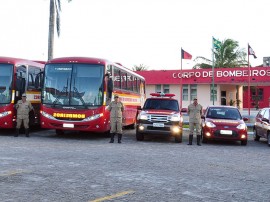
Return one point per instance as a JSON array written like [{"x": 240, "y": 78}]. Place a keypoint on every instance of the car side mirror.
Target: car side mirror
[
  {"x": 245, "y": 119},
  {"x": 202, "y": 116},
  {"x": 139, "y": 108},
  {"x": 265, "y": 120}
]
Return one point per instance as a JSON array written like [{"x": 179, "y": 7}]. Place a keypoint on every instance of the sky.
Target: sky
[{"x": 134, "y": 32}]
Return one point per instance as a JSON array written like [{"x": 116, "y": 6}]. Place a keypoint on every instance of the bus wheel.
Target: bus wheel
[
  {"x": 139, "y": 136},
  {"x": 59, "y": 132}
]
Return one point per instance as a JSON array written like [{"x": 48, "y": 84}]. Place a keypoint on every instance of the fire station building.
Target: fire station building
[{"x": 230, "y": 85}]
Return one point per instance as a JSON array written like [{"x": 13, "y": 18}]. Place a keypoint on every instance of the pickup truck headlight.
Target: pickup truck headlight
[
  {"x": 176, "y": 117},
  {"x": 143, "y": 116}
]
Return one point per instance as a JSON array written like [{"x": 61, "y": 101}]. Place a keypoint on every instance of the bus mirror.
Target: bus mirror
[
  {"x": 39, "y": 81},
  {"x": 110, "y": 88}
]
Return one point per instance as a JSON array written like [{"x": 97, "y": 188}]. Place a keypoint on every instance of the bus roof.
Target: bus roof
[
  {"x": 20, "y": 61},
  {"x": 90, "y": 60}
]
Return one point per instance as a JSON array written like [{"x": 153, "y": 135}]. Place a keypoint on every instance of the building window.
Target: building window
[
  {"x": 193, "y": 91},
  {"x": 166, "y": 88},
  {"x": 185, "y": 92},
  {"x": 215, "y": 93},
  {"x": 158, "y": 88}
]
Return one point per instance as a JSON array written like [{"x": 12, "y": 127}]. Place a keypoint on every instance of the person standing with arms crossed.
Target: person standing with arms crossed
[
  {"x": 116, "y": 109},
  {"x": 195, "y": 113},
  {"x": 23, "y": 107}
]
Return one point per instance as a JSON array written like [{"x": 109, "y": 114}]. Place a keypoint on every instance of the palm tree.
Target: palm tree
[
  {"x": 141, "y": 67},
  {"x": 229, "y": 55},
  {"x": 55, "y": 9}
]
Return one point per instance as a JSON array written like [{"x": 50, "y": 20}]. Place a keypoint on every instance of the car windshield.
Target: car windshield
[
  {"x": 5, "y": 83},
  {"x": 73, "y": 85},
  {"x": 161, "y": 104},
  {"x": 223, "y": 113}
]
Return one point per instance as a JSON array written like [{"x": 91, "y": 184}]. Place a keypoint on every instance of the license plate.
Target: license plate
[
  {"x": 68, "y": 125},
  {"x": 158, "y": 124},
  {"x": 225, "y": 132}
]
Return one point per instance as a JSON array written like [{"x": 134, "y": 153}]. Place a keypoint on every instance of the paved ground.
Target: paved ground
[{"x": 82, "y": 167}]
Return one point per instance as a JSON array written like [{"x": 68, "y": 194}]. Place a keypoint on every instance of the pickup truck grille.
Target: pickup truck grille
[{"x": 158, "y": 118}]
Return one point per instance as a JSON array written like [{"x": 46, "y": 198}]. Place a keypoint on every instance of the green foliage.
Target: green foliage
[
  {"x": 229, "y": 55},
  {"x": 141, "y": 67}
]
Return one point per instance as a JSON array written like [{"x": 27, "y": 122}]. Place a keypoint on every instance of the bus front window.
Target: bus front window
[
  {"x": 5, "y": 83},
  {"x": 73, "y": 84}
]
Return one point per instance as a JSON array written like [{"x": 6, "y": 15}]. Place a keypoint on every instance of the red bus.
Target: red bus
[
  {"x": 76, "y": 92},
  {"x": 18, "y": 76}
]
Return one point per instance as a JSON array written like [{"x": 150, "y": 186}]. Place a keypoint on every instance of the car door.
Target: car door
[
  {"x": 258, "y": 121},
  {"x": 265, "y": 123}
]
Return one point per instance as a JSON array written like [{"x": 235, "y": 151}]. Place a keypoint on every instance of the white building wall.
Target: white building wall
[{"x": 203, "y": 94}]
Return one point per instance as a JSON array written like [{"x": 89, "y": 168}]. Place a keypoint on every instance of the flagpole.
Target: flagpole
[
  {"x": 213, "y": 72},
  {"x": 248, "y": 84},
  {"x": 181, "y": 82}
]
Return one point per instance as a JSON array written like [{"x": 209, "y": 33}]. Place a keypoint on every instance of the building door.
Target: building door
[{"x": 223, "y": 98}]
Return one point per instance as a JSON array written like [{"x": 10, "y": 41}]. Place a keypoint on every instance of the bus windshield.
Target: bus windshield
[
  {"x": 5, "y": 83},
  {"x": 73, "y": 85}
]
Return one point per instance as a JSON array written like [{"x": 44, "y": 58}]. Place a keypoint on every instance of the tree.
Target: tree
[
  {"x": 229, "y": 55},
  {"x": 55, "y": 9},
  {"x": 141, "y": 67}
]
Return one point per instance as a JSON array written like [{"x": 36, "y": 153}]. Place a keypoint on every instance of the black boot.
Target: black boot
[
  {"x": 17, "y": 132},
  {"x": 190, "y": 139},
  {"x": 119, "y": 137},
  {"x": 198, "y": 140},
  {"x": 112, "y": 138},
  {"x": 27, "y": 132}
]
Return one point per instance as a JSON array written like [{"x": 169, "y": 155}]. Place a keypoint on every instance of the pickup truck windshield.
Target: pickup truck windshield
[{"x": 161, "y": 104}]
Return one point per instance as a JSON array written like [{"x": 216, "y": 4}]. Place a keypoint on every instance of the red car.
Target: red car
[{"x": 224, "y": 123}]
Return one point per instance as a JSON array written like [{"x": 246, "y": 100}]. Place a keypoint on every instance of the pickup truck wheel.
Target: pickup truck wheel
[
  {"x": 255, "y": 135},
  {"x": 139, "y": 136},
  {"x": 178, "y": 138}
]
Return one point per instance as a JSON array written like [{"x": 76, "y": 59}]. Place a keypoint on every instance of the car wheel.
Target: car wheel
[
  {"x": 255, "y": 135},
  {"x": 204, "y": 140},
  {"x": 59, "y": 132},
  {"x": 139, "y": 136},
  {"x": 244, "y": 142},
  {"x": 178, "y": 138},
  {"x": 268, "y": 139}
]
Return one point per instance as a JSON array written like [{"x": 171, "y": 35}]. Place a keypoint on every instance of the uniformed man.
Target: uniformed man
[
  {"x": 116, "y": 109},
  {"x": 23, "y": 108},
  {"x": 195, "y": 113}
]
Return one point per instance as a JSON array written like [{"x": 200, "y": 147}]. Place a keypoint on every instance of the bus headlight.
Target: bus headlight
[
  {"x": 4, "y": 114},
  {"x": 94, "y": 117},
  {"x": 48, "y": 116}
]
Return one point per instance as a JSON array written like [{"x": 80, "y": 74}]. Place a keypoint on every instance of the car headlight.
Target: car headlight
[
  {"x": 143, "y": 116},
  {"x": 4, "y": 114},
  {"x": 176, "y": 117},
  {"x": 241, "y": 126},
  {"x": 210, "y": 125},
  {"x": 94, "y": 117},
  {"x": 47, "y": 115}
]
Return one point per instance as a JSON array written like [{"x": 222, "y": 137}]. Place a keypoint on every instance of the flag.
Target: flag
[
  {"x": 251, "y": 51},
  {"x": 216, "y": 43},
  {"x": 185, "y": 55}
]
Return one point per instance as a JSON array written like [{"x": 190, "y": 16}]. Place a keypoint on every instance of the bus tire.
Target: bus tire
[{"x": 59, "y": 132}]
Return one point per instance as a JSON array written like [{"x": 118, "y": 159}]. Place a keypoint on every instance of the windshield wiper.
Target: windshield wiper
[
  {"x": 79, "y": 96},
  {"x": 59, "y": 95}
]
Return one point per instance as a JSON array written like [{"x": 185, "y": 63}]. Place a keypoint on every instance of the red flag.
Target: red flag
[
  {"x": 186, "y": 55},
  {"x": 251, "y": 51}
]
